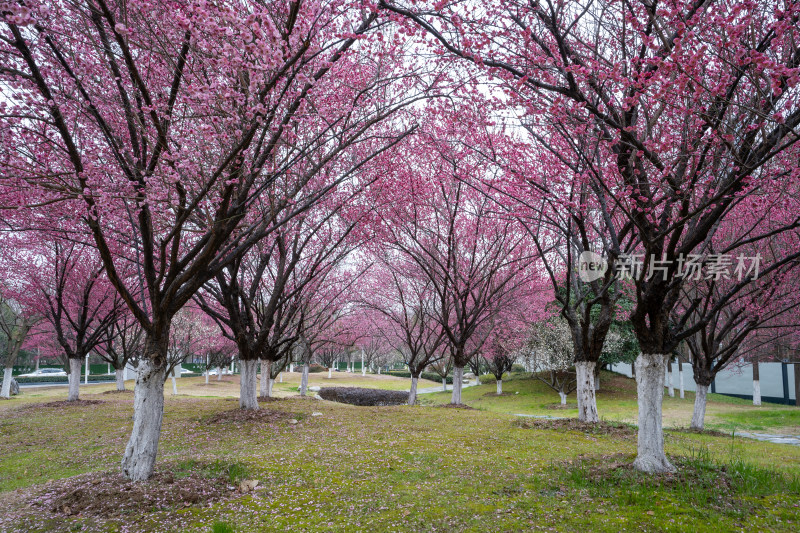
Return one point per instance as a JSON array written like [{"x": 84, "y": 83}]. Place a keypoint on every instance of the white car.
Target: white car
[
  {"x": 186, "y": 371},
  {"x": 213, "y": 372},
  {"x": 44, "y": 372}
]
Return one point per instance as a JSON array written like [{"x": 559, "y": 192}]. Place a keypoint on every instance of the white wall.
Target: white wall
[{"x": 735, "y": 379}]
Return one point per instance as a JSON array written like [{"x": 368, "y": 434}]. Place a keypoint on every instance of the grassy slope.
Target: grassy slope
[
  {"x": 403, "y": 468},
  {"x": 616, "y": 401}
]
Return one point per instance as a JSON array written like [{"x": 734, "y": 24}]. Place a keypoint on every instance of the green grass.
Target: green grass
[
  {"x": 406, "y": 468},
  {"x": 616, "y": 401}
]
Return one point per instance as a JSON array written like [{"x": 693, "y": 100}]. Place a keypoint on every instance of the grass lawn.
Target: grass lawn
[{"x": 422, "y": 468}]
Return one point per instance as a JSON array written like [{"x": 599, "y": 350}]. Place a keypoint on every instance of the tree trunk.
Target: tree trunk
[
  {"x": 499, "y": 387},
  {"x": 797, "y": 384},
  {"x": 444, "y": 384},
  {"x": 120, "y": 375},
  {"x": 248, "y": 397},
  {"x": 330, "y": 373},
  {"x": 304, "y": 380},
  {"x": 270, "y": 384},
  {"x": 756, "y": 385},
  {"x": 563, "y": 396},
  {"x": 379, "y": 371},
  {"x": 266, "y": 375},
  {"x": 477, "y": 380},
  {"x": 587, "y": 402},
  {"x": 174, "y": 383},
  {"x": 680, "y": 377},
  {"x": 596, "y": 382},
  {"x": 280, "y": 377},
  {"x": 650, "y": 391},
  {"x": 458, "y": 380},
  {"x": 207, "y": 375},
  {"x": 412, "y": 395},
  {"x": 5, "y": 392},
  {"x": 74, "y": 379},
  {"x": 219, "y": 373},
  {"x": 148, "y": 413},
  {"x": 699, "y": 414}
]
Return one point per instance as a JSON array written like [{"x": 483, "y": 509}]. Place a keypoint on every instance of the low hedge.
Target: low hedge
[
  {"x": 363, "y": 397},
  {"x": 425, "y": 375}
]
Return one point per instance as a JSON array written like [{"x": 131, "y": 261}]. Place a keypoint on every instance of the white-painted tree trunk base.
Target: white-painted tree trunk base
[
  {"x": 280, "y": 377},
  {"x": 458, "y": 380},
  {"x": 207, "y": 372},
  {"x": 499, "y": 387},
  {"x": 248, "y": 397},
  {"x": 119, "y": 374},
  {"x": 304, "y": 381},
  {"x": 477, "y": 380},
  {"x": 563, "y": 397},
  {"x": 444, "y": 384},
  {"x": 412, "y": 394},
  {"x": 650, "y": 391},
  {"x": 587, "y": 403},
  {"x": 148, "y": 413},
  {"x": 5, "y": 392},
  {"x": 74, "y": 380},
  {"x": 680, "y": 382},
  {"x": 174, "y": 385},
  {"x": 699, "y": 413},
  {"x": 597, "y": 382},
  {"x": 330, "y": 373},
  {"x": 756, "y": 392},
  {"x": 379, "y": 371},
  {"x": 291, "y": 367},
  {"x": 219, "y": 373},
  {"x": 269, "y": 387}
]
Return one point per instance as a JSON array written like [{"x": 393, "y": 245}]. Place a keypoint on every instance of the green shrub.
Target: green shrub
[{"x": 316, "y": 369}]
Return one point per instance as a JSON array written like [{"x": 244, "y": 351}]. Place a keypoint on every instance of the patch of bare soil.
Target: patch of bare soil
[
  {"x": 126, "y": 391},
  {"x": 456, "y": 406},
  {"x": 560, "y": 406},
  {"x": 711, "y": 432},
  {"x": 65, "y": 403},
  {"x": 250, "y": 415},
  {"x": 573, "y": 424},
  {"x": 268, "y": 399},
  {"x": 108, "y": 495}
]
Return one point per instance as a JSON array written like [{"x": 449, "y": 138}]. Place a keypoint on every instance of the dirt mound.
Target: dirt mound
[
  {"x": 268, "y": 399},
  {"x": 108, "y": 495},
  {"x": 560, "y": 406},
  {"x": 126, "y": 391},
  {"x": 457, "y": 406},
  {"x": 75, "y": 403},
  {"x": 573, "y": 424},
  {"x": 363, "y": 397},
  {"x": 250, "y": 415}
]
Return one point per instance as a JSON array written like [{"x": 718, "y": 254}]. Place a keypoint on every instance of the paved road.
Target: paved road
[{"x": 46, "y": 384}]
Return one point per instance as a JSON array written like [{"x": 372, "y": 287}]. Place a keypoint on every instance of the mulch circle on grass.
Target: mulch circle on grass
[
  {"x": 250, "y": 415},
  {"x": 573, "y": 424},
  {"x": 560, "y": 406},
  {"x": 457, "y": 406},
  {"x": 267, "y": 399},
  {"x": 65, "y": 403},
  {"x": 108, "y": 495}
]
